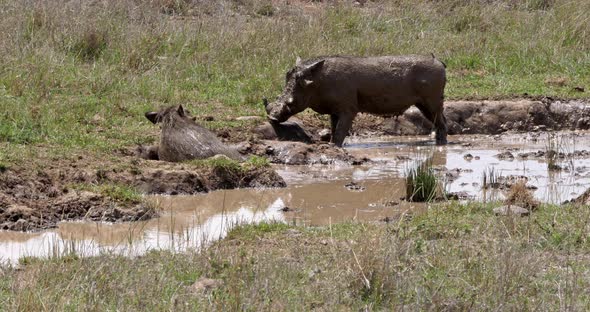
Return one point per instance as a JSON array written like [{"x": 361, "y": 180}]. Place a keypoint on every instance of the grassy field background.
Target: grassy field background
[{"x": 80, "y": 74}]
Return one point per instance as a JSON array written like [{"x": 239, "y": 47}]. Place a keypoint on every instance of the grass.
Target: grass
[
  {"x": 422, "y": 184},
  {"x": 117, "y": 192},
  {"x": 83, "y": 81},
  {"x": 77, "y": 76},
  {"x": 491, "y": 178},
  {"x": 518, "y": 194},
  {"x": 552, "y": 152},
  {"x": 226, "y": 163},
  {"x": 452, "y": 256}
]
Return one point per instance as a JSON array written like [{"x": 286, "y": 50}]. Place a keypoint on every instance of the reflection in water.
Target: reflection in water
[
  {"x": 316, "y": 196},
  {"x": 130, "y": 238}
]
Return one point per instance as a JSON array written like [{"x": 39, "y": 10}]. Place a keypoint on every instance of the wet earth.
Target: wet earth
[{"x": 330, "y": 191}]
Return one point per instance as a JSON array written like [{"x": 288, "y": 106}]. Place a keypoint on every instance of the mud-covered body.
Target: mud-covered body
[
  {"x": 183, "y": 139},
  {"x": 345, "y": 86}
]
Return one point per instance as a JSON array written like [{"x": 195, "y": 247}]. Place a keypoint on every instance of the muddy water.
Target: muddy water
[{"x": 319, "y": 195}]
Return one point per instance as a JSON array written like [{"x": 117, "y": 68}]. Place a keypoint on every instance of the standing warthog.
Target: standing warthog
[
  {"x": 343, "y": 86},
  {"x": 183, "y": 139}
]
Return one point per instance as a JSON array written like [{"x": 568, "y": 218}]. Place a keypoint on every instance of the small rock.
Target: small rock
[
  {"x": 476, "y": 157},
  {"x": 579, "y": 89},
  {"x": 97, "y": 119},
  {"x": 353, "y": 186},
  {"x": 468, "y": 157},
  {"x": 511, "y": 210},
  {"x": 390, "y": 203},
  {"x": 289, "y": 209},
  {"x": 387, "y": 220},
  {"x": 205, "y": 284},
  {"x": 325, "y": 135},
  {"x": 505, "y": 156},
  {"x": 583, "y": 123},
  {"x": 293, "y": 232},
  {"x": 357, "y": 161},
  {"x": 458, "y": 196},
  {"x": 314, "y": 272},
  {"x": 244, "y": 147}
]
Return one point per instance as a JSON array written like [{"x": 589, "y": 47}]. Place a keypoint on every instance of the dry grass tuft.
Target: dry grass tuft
[{"x": 520, "y": 195}]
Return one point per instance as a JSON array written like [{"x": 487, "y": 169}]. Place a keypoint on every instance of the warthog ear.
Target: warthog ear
[
  {"x": 180, "y": 110},
  {"x": 311, "y": 69},
  {"x": 152, "y": 116},
  {"x": 315, "y": 66}
]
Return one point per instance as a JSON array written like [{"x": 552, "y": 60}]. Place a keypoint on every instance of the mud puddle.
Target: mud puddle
[{"x": 324, "y": 194}]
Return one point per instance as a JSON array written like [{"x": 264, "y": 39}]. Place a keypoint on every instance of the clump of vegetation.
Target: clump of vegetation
[
  {"x": 90, "y": 44},
  {"x": 173, "y": 7},
  {"x": 552, "y": 150},
  {"x": 491, "y": 178},
  {"x": 422, "y": 184},
  {"x": 256, "y": 162},
  {"x": 117, "y": 192},
  {"x": 520, "y": 195},
  {"x": 216, "y": 162},
  {"x": 266, "y": 9}
]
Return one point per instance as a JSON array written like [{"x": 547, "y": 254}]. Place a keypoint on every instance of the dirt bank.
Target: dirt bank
[
  {"x": 463, "y": 117},
  {"x": 493, "y": 117},
  {"x": 40, "y": 198}
]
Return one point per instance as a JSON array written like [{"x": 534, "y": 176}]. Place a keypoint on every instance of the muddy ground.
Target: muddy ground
[
  {"x": 463, "y": 117},
  {"x": 38, "y": 198}
]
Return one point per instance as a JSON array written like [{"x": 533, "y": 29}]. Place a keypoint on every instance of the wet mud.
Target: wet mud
[
  {"x": 298, "y": 153},
  {"x": 41, "y": 200},
  {"x": 463, "y": 117},
  {"x": 363, "y": 181},
  {"x": 493, "y": 117},
  {"x": 36, "y": 200},
  {"x": 323, "y": 194}
]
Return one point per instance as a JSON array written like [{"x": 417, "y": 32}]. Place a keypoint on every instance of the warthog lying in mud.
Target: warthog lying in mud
[
  {"x": 345, "y": 86},
  {"x": 183, "y": 139}
]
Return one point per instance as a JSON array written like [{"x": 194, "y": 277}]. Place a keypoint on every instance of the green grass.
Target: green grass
[
  {"x": 422, "y": 184},
  {"x": 252, "y": 162},
  {"x": 117, "y": 192},
  {"x": 451, "y": 256},
  {"x": 84, "y": 80}
]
